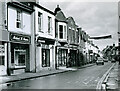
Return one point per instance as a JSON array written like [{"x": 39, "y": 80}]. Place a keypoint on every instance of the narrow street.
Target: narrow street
[{"x": 85, "y": 78}]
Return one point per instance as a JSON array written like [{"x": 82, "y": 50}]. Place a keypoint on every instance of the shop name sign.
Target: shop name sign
[{"x": 19, "y": 38}]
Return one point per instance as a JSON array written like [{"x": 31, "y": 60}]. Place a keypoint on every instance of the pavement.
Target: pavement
[
  {"x": 25, "y": 76},
  {"x": 113, "y": 79}
]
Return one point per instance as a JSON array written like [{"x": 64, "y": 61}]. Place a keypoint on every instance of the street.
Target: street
[{"x": 85, "y": 78}]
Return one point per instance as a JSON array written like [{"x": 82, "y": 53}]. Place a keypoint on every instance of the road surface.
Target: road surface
[{"x": 85, "y": 78}]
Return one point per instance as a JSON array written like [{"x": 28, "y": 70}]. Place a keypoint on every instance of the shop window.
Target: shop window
[
  {"x": 45, "y": 57},
  {"x": 19, "y": 57},
  {"x": 62, "y": 57},
  {"x": 19, "y": 19},
  {"x": 21, "y": 60},
  {"x": 2, "y": 60},
  {"x": 49, "y": 25},
  {"x": 39, "y": 21}
]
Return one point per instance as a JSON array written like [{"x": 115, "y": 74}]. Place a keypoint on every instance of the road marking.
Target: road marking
[
  {"x": 99, "y": 84},
  {"x": 86, "y": 82},
  {"x": 97, "y": 79}
]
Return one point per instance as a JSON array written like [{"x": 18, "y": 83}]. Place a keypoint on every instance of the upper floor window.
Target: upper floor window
[
  {"x": 19, "y": 19},
  {"x": 65, "y": 32},
  {"x": 77, "y": 36},
  {"x": 62, "y": 32},
  {"x": 49, "y": 24},
  {"x": 39, "y": 21},
  {"x": 73, "y": 34}
]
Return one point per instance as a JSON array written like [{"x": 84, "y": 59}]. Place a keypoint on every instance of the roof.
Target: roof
[
  {"x": 43, "y": 8},
  {"x": 60, "y": 16}
]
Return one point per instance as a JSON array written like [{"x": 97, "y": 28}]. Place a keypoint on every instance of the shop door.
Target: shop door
[
  {"x": 62, "y": 57},
  {"x": 45, "y": 57},
  {"x": 73, "y": 57}
]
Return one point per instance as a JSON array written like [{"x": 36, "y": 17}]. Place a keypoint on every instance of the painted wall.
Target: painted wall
[
  {"x": 44, "y": 29},
  {"x": 26, "y": 21}
]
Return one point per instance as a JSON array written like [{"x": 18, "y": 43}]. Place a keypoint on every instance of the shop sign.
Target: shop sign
[
  {"x": 45, "y": 46},
  {"x": 41, "y": 41},
  {"x": 19, "y": 38}
]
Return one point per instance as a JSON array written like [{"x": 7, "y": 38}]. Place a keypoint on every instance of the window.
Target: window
[
  {"x": 19, "y": 19},
  {"x": 65, "y": 32},
  {"x": 73, "y": 38},
  {"x": 45, "y": 57},
  {"x": 2, "y": 60},
  {"x": 77, "y": 36},
  {"x": 60, "y": 31},
  {"x": 39, "y": 21},
  {"x": 21, "y": 60},
  {"x": 49, "y": 24}
]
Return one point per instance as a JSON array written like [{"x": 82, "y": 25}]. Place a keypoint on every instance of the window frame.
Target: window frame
[
  {"x": 63, "y": 32},
  {"x": 49, "y": 24},
  {"x": 40, "y": 21},
  {"x": 19, "y": 18}
]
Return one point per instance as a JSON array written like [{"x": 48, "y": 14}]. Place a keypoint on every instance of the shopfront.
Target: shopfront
[
  {"x": 3, "y": 51},
  {"x": 73, "y": 56},
  {"x": 3, "y": 58},
  {"x": 45, "y": 54},
  {"x": 62, "y": 57},
  {"x": 20, "y": 53}
]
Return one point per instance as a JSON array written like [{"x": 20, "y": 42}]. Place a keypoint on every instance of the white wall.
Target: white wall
[
  {"x": 26, "y": 21},
  {"x": 44, "y": 24}
]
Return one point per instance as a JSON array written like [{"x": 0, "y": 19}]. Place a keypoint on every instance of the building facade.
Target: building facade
[
  {"x": 73, "y": 40},
  {"x": 34, "y": 38},
  {"x": 4, "y": 39},
  {"x": 61, "y": 38},
  {"x": 44, "y": 38},
  {"x": 20, "y": 27}
]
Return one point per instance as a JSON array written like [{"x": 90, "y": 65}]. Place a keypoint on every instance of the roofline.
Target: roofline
[{"x": 45, "y": 9}]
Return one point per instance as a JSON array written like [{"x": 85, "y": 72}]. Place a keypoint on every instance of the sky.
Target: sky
[{"x": 96, "y": 18}]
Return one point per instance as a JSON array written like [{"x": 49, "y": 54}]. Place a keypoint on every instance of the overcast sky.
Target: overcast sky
[{"x": 96, "y": 18}]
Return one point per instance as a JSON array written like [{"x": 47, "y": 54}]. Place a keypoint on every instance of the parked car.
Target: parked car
[
  {"x": 100, "y": 61},
  {"x": 113, "y": 60}
]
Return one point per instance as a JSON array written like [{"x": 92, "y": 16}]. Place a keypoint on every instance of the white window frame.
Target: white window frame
[
  {"x": 40, "y": 25},
  {"x": 64, "y": 35},
  {"x": 50, "y": 25},
  {"x": 19, "y": 18}
]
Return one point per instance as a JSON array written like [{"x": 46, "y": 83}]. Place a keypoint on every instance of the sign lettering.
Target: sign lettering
[{"x": 19, "y": 38}]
